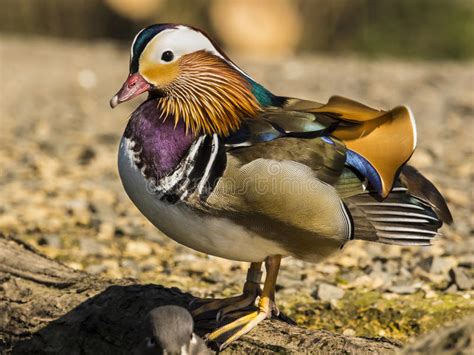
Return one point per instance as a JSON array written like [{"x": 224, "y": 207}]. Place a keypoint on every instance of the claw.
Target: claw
[
  {"x": 244, "y": 330},
  {"x": 243, "y": 325},
  {"x": 228, "y": 309},
  {"x": 227, "y": 305},
  {"x": 284, "y": 318}
]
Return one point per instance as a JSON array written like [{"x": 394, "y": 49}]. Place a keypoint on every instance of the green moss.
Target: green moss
[{"x": 369, "y": 314}]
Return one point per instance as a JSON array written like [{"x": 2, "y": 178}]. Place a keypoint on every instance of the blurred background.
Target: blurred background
[
  {"x": 62, "y": 60},
  {"x": 429, "y": 29}
]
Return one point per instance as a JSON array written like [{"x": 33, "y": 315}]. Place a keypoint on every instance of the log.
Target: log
[
  {"x": 47, "y": 307},
  {"x": 455, "y": 338}
]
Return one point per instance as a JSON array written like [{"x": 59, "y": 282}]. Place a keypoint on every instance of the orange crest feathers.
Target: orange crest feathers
[{"x": 208, "y": 95}]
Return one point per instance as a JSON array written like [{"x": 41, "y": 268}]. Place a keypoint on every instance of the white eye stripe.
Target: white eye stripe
[{"x": 133, "y": 43}]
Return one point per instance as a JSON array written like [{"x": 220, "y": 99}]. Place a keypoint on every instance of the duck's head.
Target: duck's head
[
  {"x": 169, "y": 330},
  {"x": 192, "y": 78}
]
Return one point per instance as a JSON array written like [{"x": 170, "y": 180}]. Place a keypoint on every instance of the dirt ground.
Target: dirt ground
[{"x": 60, "y": 191}]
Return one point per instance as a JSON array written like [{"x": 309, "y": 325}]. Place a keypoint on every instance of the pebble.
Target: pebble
[
  {"x": 437, "y": 264},
  {"x": 326, "y": 292},
  {"x": 346, "y": 261},
  {"x": 51, "y": 240},
  {"x": 112, "y": 267},
  {"x": 127, "y": 229},
  {"x": 430, "y": 294},
  {"x": 80, "y": 211},
  {"x": 74, "y": 265},
  {"x": 327, "y": 268},
  {"x": 91, "y": 246},
  {"x": 138, "y": 248},
  {"x": 451, "y": 289},
  {"x": 129, "y": 264},
  {"x": 460, "y": 277},
  {"x": 151, "y": 264},
  {"x": 390, "y": 296},
  {"x": 404, "y": 289},
  {"x": 106, "y": 231},
  {"x": 365, "y": 281},
  {"x": 86, "y": 155},
  {"x": 96, "y": 269},
  {"x": 437, "y": 279},
  {"x": 8, "y": 222},
  {"x": 349, "y": 332}
]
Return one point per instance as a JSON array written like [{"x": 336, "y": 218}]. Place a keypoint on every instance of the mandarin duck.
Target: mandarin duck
[
  {"x": 222, "y": 165},
  {"x": 169, "y": 330}
]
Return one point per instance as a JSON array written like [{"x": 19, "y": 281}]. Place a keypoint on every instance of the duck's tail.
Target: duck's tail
[{"x": 411, "y": 214}]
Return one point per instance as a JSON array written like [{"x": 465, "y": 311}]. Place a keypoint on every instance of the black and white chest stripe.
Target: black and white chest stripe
[{"x": 198, "y": 172}]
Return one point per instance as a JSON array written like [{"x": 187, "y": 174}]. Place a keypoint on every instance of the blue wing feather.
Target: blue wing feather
[{"x": 366, "y": 169}]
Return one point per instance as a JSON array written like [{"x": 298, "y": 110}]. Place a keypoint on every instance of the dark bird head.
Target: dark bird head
[
  {"x": 193, "y": 79},
  {"x": 170, "y": 332}
]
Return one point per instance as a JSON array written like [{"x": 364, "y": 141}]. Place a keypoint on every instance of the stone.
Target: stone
[
  {"x": 380, "y": 278},
  {"x": 74, "y": 265},
  {"x": 129, "y": 268},
  {"x": 390, "y": 296},
  {"x": 368, "y": 282},
  {"x": 90, "y": 246},
  {"x": 392, "y": 266},
  {"x": 349, "y": 332},
  {"x": 466, "y": 261},
  {"x": 404, "y": 289},
  {"x": 438, "y": 279},
  {"x": 437, "y": 264},
  {"x": 461, "y": 279},
  {"x": 326, "y": 292},
  {"x": 86, "y": 156},
  {"x": 106, "y": 231},
  {"x": 96, "y": 269},
  {"x": 451, "y": 289},
  {"x": 51, "y": 240},
  {"x": 80, "y": 211},
  {"x": 327, "y": 268},
  {"x": 138, "y": 248},
  {"x": 346, "y": 261},
  {"x": 8, "y": 222}
]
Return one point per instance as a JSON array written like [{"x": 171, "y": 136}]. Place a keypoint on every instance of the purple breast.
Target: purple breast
[{"x": 159, "y": 144}]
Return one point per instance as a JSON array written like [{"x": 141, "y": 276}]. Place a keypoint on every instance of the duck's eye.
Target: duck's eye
[{"x": 167, "y": 56}]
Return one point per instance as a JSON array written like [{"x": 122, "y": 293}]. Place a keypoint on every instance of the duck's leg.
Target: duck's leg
[
  {"x": 234, "y": 330},
  {"x": 221, "y": 307}
]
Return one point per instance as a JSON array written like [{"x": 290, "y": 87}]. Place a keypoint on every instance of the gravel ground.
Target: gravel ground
[{"x": 60, "y": 191}]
